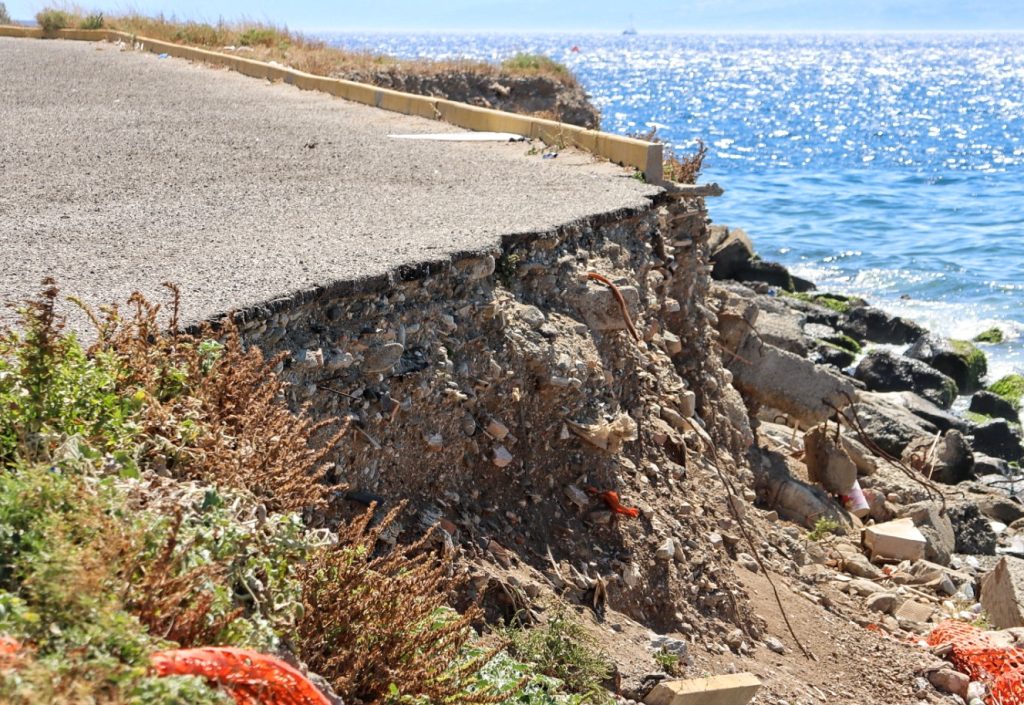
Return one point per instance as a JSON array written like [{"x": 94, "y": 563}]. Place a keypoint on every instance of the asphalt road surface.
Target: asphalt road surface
[{"x": 120, "y": 170}]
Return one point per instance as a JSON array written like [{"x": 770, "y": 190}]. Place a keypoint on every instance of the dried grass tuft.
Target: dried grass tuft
[
  {"x": 216, "y": 410},
  {"x": 369, "y": 621}
]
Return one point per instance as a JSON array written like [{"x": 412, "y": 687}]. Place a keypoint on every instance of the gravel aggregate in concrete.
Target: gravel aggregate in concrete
[{"x": 120, "y": 170}]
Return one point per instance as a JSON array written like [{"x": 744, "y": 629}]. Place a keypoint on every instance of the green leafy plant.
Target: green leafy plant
[
  {"x": 262, "y": 36},
  {"x": 822, "y": 527},
  {"x": 563, "y": 649},
  {"x": 669, "y": 662},
  {"x": 92, "y": 21}
]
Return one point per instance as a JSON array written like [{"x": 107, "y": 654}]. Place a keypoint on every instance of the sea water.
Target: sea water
[{"x": 889, "y": 166}]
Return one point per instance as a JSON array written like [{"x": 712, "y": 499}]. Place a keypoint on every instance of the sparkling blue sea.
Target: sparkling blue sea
[{"x": 888, "y": 166}]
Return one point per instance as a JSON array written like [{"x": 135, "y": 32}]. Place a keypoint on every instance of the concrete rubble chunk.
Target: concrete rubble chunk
[
  {"x": 827, "y": 462},
  {"x": 600, "y": 309},
  {"x": 948, "y": 680},
  {"x": 502, "y": 457},
  {"x": 607, "y": 435},
  {"x": 787, "y": 382},
  {"x": 734, "y": 689},
  {"x": 1001, "y": 592},
  {"x": 914, "y": 611},
  {"x": 898, "y": 539},
  {"x": 884, "y": 602}
]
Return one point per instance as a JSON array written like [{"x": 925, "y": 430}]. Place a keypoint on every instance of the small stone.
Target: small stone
[
  {"x": 687, "y": 404},
  {"x": 884, "y": 602},
  {"x": 435, "y": 441},
  {"x": 601, "y": 517},
  {"x": 673, "y": 346},
  {"x": 502, "y": 457},
  {"x": 577, "y": 496},
  {"x": 775, "y": 644},
  {"x": 734, "y": 639},
  {"x": 747, "y": 561},
  {"x": 497, "y": 430},
  {"x": 383, "y": 358},
  {"x": 666, "y": 551},
  {"x": 309, "y": 359},
  {"x": 532, "y": 316},
  {"x": 947, "y": 680}
]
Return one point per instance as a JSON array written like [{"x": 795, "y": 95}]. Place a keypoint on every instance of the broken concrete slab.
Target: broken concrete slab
[
  {"x": 935, "y": 525},
  {"x": 914, "y": 611},
  {"x": 784, "y": 381},
  {"x": 898, "y": 539},
  {"x": 827, "y": 461},
  {"x": 1001, "y": 592},
  {"x": 733, "y": 689}
]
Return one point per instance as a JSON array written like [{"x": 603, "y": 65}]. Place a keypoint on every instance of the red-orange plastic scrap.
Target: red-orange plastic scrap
[
  {"x": 10, "y": 650},
  {"x": 250, "y": 677},
  {"x": 611, "y": 498},
  {"x": 978, "y": 654}
]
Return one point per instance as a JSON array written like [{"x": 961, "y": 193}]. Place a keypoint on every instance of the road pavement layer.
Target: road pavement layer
[{"x": 120, "y": 170}]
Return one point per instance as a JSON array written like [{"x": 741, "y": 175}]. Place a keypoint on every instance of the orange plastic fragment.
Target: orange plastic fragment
[
  {"x": 10, "y": 651},
  {"x": 251, "y": 678},
  {"x": 983, "y": 658},
  {"x": 611, "y": 498}
]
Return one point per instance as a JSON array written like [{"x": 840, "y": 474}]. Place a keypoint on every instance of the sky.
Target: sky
[{"x": 579, "y": 15}]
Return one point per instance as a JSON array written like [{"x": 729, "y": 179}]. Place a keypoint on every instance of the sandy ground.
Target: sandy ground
[{"x": 120, "y": 170}]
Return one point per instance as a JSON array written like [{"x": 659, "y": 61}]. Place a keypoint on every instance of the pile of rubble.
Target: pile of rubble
[{"x": 914, "y": 509}]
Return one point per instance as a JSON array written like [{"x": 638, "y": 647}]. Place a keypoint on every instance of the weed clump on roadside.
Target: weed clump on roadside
[
  {"x": 563, "y": 649},
  {"x": 535, "y": 63},
  {"x": 92, "y": 21},
  {"x": 51, "y": 20}
]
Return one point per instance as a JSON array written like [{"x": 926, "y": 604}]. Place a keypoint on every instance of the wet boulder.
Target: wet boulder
[
  {"x": 958, "y": 359},
  {"x": 947, "y": 460},
  {"x": 881, "y": 371},
  {"x": 887, "y": 422},
  {"x": 991, "y": 404},
  {"x": 877, "y": 326},
  {"x": 973, "y": 533},
  {"x": 731, "y": 251},
  {"x": 1000, "y": 439}
]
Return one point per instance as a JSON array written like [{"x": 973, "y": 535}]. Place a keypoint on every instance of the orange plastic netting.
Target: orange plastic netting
[
  {"x": 250, "y": 677},
  {"x": 984, "y": 657}
]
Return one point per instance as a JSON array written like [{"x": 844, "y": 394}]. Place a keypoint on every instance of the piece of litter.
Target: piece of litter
[
  {"x": 462, "y": 137},
  {"x": 163, "y": 56},
  {"x": 549, "y": 155}
]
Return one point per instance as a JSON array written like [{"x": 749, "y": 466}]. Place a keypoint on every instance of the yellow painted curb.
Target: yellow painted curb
[{"x": 645, "y": 156}]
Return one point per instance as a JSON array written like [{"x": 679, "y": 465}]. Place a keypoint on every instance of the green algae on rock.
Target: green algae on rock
[{"x": 1010, "y": 388}]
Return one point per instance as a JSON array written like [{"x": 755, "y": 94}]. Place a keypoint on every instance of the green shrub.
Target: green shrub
[
  {"x": 92, "y": 21},
  {"x": 51, "y": 20},
  {"x": 261, "y": 36},
  {"x": 562, "y": 649},
  {"x": 992, "y": 335},
  {"x": 535, "y": 63}
]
